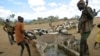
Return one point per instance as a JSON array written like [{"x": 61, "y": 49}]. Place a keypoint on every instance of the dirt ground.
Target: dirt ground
[{"x": 13, "y": 50}]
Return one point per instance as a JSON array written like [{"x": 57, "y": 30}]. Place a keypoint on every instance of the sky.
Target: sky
[{"x": 31, "y": 9}]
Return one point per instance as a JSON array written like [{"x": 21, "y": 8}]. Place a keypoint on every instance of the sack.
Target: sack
[{"x": 9, "y": 28}]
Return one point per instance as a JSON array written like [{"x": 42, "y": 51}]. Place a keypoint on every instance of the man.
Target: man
[
  {"x": 85, "y": 25},
  {"x": 20, "y": 37},
  {"x": 10, "y": 31}
]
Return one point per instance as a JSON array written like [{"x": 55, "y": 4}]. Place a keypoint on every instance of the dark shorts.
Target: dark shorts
[{"x": 22, "y": 43}]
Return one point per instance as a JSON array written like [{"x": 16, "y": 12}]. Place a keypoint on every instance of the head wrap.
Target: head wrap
[{"x": 81, "y": 4}]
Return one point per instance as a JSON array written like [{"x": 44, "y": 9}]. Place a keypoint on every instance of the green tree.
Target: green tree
[
  {"x": 53, "y": 18},
  {"x": 76, "y": 17},
  {"x": 1, "y": 21},
  {"x": 12, "y": 15},
  {"x": 39, "y": 18},
  {"x": 65, "y": 18}
]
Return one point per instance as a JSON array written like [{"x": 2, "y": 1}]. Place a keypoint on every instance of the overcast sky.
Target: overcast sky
[{"x": 31, "y": 9}]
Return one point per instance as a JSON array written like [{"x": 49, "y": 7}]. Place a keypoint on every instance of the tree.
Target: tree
[
  {"x": 56, "y": 18},
  {"x": 77, "y": 17},
  {"x": 53, "y": 18},
  {"x": 65, "y": 18},
  {"x": 39, "y": 18},
  {"x": 45, "y": 18},
  {"x": 12, "y": 15},
  {"x": 1, "y": 21}
]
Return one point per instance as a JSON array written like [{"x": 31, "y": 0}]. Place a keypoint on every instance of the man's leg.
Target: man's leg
[
  {"x": 12, "y": 37},
  {"x": 86, "y": 48},
  {"x": 85, "y": 37},
  {"x": 82, "y": 47},
  {"x": 22, "y": 48},
  {"x": 86, "y": 45},
  {"x": 10, "y": 40},
  {"x": 28, "y": 48}
]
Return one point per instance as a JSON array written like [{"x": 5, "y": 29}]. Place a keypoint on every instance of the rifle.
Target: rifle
[
  {"x": 85, "y": 7},
  {"x": 95, "y": 13},
  {"x": 98, "y": 11},
  {"x": 86, "y": 3}
]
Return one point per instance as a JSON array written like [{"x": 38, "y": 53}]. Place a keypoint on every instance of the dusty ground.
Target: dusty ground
[{"x": 13, "y": 50}]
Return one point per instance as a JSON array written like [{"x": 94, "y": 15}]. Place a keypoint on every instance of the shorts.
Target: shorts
[{"x": 22, "y": 43}]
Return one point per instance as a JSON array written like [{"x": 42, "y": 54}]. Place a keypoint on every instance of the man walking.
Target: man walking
[
  {"x": 9, "y": 30},
  {"x": 20, "y": 37}
]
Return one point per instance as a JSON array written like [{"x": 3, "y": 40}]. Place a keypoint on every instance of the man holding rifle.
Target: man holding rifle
[{"x": 85, "y": 25}]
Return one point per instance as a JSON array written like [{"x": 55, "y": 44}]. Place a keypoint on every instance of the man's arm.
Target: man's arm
[
  {"x": 4, "y": 28},
  {"x": 90, "y": 13},
  {"x": 24, "y": 32},
  {"x": 22, "y": 28}
]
